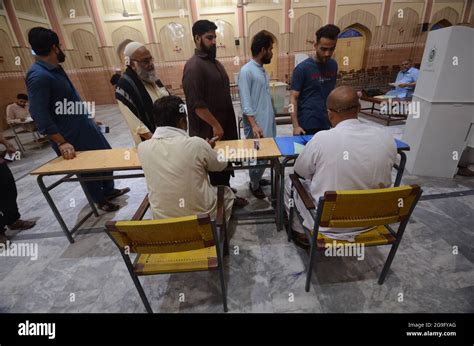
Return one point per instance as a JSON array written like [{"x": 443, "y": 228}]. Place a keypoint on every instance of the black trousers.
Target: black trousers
[
  {"x": 220, "y": 178},
  {"x": 8, "y": 207}
]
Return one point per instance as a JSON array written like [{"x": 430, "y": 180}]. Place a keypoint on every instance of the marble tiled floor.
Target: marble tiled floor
[{"x": 264, "y": 272}]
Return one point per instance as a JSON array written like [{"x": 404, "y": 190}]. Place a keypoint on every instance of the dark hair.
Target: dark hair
[
  {"x": 263, "y": 39},
  {"x": 329, "y": 31},
  {"x": 22, "y": 97},
  {"x": 42, "y": 40},
  {"x": 203, "y": 26},
  {"x": 115, "y": 78},
  {"x": 168, "y": 111}
]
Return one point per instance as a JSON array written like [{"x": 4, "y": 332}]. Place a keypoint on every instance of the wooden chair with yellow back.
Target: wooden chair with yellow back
[
  {"x": 182, "y": 244},
  {"x": 375, "y": 208}
]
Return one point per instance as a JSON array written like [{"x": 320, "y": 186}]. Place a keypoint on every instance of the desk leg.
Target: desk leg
[
  {"x": 88, "y": 196},
  {"x": 401, "y": 168},
  {"x": 54, "y": 209},
  {"x": 18, "y": 141},
  {"x": 272, "y": 178},
  {"x": 277, "y": 165},
  {"x": 281, "y": 196}
]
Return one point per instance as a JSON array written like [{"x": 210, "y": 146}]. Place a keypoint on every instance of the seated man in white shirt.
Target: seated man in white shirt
[
  {"x": 17, "y": 113},
  {"x": 176, "y": 166},
  {"x": 349, "y": 156}
]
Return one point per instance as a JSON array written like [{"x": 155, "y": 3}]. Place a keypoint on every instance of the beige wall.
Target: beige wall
[
  {"x": 457, "y": 5},
  {"x": 5, "y": 27},
  {"x": 384, "y": 45},
  {"x": 417, "y": 6},
  {"x": 374, "y": 9}
]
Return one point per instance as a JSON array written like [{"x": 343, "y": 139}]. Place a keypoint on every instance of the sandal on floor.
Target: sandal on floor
[
  {"x": 117, "y": 192},
  {"x": 300, "y": 240},
  {"x": 21, "y": 225},
  {"x": 265, "y": 182},
  {"x": 240, "y": 202},
  {"x": 3, "y": 239},
  {"x": 108, "y": 207}
]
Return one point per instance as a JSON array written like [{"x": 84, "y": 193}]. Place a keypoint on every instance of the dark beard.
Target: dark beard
[
  {"x": 266, "y": 60},
  {"x": 211, "y": 52},
  {"x": 61, "y": 56},
  {"x": 322, "y": 59}
]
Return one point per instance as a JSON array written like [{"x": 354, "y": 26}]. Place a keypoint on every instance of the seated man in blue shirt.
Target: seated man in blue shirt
[
  {"x": 406, "y": 81},
  {"x": 256, "y": 102},
  {"x": 59, "y": 112},
  {"x": 312, "y": 81}
]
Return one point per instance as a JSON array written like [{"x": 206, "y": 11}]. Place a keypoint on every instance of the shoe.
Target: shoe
[
  {"x": 108, "y": 207},
  {"x": 265, "y": 182},
  {"x": 240, "y": 202},
  {"x": 258, "y": 192},
  {"x": 116, "y": 193},
  {"x": 3, "y": 239},
  {"x": 21, "y": 225},
  {"x": 465, "y": 172},
  {"x": 300, "y": 240}
]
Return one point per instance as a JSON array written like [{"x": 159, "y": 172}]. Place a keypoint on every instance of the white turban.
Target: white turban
[{"x": 132, "y": 48}]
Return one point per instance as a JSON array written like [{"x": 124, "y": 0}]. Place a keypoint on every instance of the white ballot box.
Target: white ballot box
[
  {"x": 439, "y": 131},
  {"x": 278, "y": 92}
]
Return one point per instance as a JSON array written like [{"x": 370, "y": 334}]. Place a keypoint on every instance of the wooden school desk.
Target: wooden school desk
[{"x": 102, "y": 162}]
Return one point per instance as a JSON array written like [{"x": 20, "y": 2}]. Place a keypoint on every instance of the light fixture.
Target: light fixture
[{"x": 125, "y": 12}]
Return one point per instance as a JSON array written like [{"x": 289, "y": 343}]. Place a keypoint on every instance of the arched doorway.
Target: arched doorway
[
  {"x": 85, "y": 45},
  {"x": 121, "y": 48},
  {"x": 441, "y": 24},
  {"x": 175, "y": 42},
  {"x": 7, "y": 55},
  {"x": 350, "y": 48},
  {"x": 225, "y": 39},
  {"x": 122, "y": 36},
  {"x": 304, "y": 33}
]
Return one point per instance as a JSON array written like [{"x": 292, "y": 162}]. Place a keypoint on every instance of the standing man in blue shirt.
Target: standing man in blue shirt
[
  {"x": 406, "y": 80},
  {"x": 312, "y": 81},
  {"x": 256, "y": 102},
  {"x": 60, "y": 113}
]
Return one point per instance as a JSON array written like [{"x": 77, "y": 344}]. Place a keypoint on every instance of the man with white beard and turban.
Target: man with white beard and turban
[{"x": 137, "y": 90}]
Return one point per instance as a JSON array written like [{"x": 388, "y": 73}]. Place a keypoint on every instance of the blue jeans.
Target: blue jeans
[{"x": 255, "y": 174}]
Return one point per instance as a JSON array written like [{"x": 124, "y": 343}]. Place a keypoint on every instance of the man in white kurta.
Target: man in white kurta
[
  {"x": 349, "y": 156},
  {"x": 176, "y": 168}
]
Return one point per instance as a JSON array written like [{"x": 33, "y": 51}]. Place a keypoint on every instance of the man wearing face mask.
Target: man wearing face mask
[
  {"x": 137, "y": 90},
  {"x": 68, "y": 128},
  {"x": 256, "y": 101},
  {"x": 207, "y": 89},
  {"x": 312, "y": 81}
]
